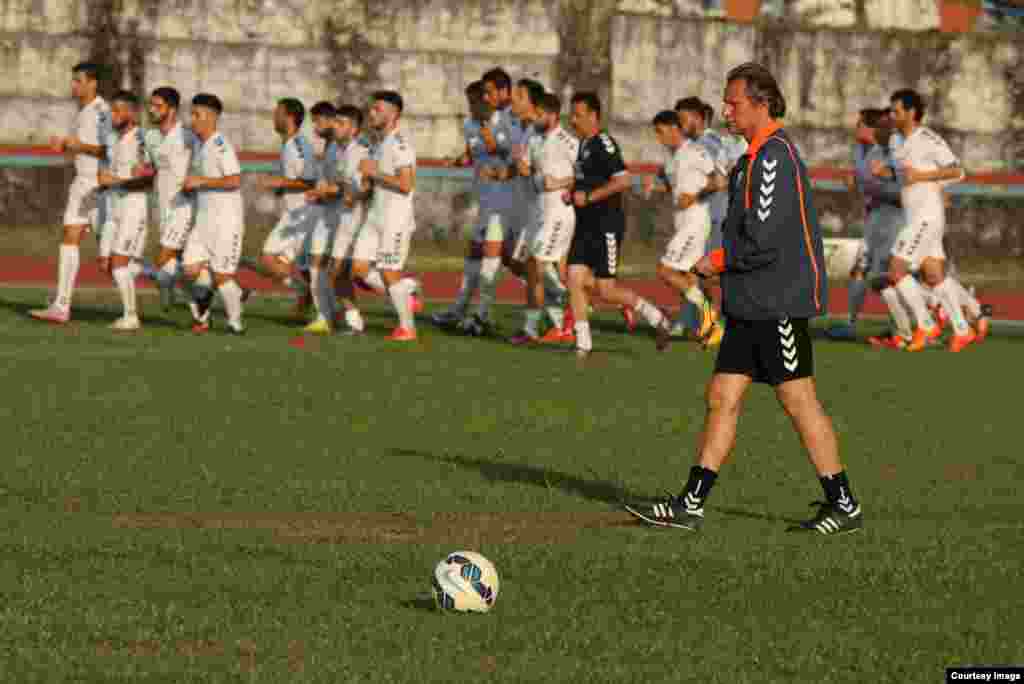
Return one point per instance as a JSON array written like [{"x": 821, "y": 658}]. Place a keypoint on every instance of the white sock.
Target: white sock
[
  {"x": 470, "y": 283},
  {"x": 898, "y": 312},
  {"x": 651, "y": 313},
  {"x": 966, "y": 298},
  {"x": 400, "y": 298},
  {"x": 532, "y": 327},
  {"x": 695, "y": 296},
  {"x": 125, "y": 279},
  {"x": 950, "y": 300},
  {"x": 554, "y": 290},
  {"x": 912, "y": 294},
  {"x": 583, "y": 341},
  {"x": 375, "y": 280},
  {"x": 231, "y": 293},
  {"x": 490, "y": 272},
  {"x": 67, "y": 273},
  {"x": 856, "y": 294},
  {"x": 323, "y": 292},
  {"x": 556, "y": 315},
  {"x": 355, "y": 320}
]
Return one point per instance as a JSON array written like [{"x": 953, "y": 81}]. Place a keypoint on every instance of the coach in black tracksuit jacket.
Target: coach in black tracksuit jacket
[{"x": 772, "y": 269}]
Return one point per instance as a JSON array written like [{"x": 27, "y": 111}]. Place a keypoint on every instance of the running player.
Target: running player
[
  {"x": 129, "y": 205},
  {"x": 321, "y": 285},
  {"x": 924, "y": 164},
  {"x": 687, "y": 174},
  {"x": 546, "y": 241},
  {"x": 296, "y": 175},
  {"x": 478, "y": 131},
  {"x": 883, "y": 220},
  {"x": 385, "y": 236},
  {"x": 601, "y": 178},
  {"x": 172, "y": 159},
  {"x": 215, "y": 243},
  {"x": 86, "y": 208}
]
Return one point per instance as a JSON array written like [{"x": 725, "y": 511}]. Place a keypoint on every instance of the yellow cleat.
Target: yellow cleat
[
  {"x": 318, "y": 327},
  {"x": 715, "y": 338}
]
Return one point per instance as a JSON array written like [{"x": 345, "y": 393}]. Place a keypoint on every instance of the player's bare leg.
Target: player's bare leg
[
  {"x": 611, "y": 291},
  {"x": 934, "y": 272}
]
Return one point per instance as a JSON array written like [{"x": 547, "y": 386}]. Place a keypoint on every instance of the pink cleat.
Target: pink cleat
[{"x": 51, "y": 314}]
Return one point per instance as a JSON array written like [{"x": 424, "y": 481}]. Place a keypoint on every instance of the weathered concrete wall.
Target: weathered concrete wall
[{"x": 973, "y": 84}]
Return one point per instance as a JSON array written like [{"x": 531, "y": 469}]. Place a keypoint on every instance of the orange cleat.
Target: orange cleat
[
  {"x": 556, "y": 336},
  {"x": 922, "y": 336},
  {"x": 959, "y": 342},
  {"x": 887, "y": 342},
  {"x": 401, "y": 334}
]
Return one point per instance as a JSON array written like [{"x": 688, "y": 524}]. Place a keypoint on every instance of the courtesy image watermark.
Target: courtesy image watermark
[{"x": 984, "y": 674}]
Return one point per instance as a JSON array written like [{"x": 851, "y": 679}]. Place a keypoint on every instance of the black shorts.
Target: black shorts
[
  {"x": 772, "y": 352},
  {"x": 598, "y": 250}
]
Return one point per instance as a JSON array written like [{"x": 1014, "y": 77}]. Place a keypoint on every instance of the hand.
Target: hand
[
  {"x": 567, "y": 197},
  {"x": 368, "y": 167},
  {"x": 191, "y": 183},
  {"x": 58, "y": 144},
  {"x": 349, "y": 199},
  {"x": 143, "y": 171},
  {"x": 579, "y": 198},
  {"x": 523, "y": 166},
  {"x": 704, "y": 268},
  {"x": 105, "y": 179},
  {"x": 648, "y": 186},
  {"x": 879, "y": 169},
  {"x": 313, "y": 195}
]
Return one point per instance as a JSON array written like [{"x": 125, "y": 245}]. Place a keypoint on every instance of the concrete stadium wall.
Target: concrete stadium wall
[{"x": 252, "y": 52}]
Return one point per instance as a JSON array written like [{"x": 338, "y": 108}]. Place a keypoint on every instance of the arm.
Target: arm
[
  {"x": 204, "y": 183},
  {"x": 403, "y": 183},
  {"x": 109, "y": 180},
  {"x": 951, "y": 173},
  {"x": 618, "y": 184},
  {"x": 285, "y": 184}
]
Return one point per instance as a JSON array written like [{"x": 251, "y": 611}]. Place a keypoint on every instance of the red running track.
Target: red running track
[{"x": 1007, "y": 305}]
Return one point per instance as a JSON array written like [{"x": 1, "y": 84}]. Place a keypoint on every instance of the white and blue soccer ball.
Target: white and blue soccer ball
[{"x": 465, "y": 582}]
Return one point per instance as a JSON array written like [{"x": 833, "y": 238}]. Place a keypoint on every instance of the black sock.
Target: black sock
[
  {"x": 838, "y": 492},
  {"x": 698, "y": 487}
]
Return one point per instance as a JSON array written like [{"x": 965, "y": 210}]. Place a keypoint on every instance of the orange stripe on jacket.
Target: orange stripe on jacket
[{"x": 807, "y": 228}]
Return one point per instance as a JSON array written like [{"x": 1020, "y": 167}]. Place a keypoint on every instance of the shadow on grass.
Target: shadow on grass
[
  {"x": 510, "y": 471},
  {"x": 89, "y": 314},
  {"x": 423, "y": 604},
  {"x": 750, "y": 515}
]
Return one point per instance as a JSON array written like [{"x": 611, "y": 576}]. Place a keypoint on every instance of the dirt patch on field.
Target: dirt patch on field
[{"x": 385, "y": 528}]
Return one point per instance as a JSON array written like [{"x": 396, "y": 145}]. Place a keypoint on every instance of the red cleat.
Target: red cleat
[
  {"x": 959, "y": 342},
  {"x": 416, "y": 302},
  {"x": 401, "y": 334},
  {"x": 887, "y": 342},
  {"x": 556, "y": 336},
  {"x": 630, "y": 317},
  {"x": 201, "y": 328}
]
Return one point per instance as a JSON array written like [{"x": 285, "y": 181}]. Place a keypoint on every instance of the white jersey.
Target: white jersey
[
  {"x": 557, "y": 160},
  {"x": 173, "y": 161},
  {"x": 491, "y": 194},
  {"x": 216, "y": 158},
  {"x": 686, "y": 171},
  {"x": 329, "y": 163},
  {"x": 92, "y": 126},
  {"x": 392, "y": 154},
  {"x": 127, "y": 152},
  {"x": 923, "y": 150},
  {"x": 347, "y": 170},
  {"x": 297, "y": 162}
]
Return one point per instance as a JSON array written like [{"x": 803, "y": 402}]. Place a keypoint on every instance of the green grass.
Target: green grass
[{"x": 182, "y": 509}]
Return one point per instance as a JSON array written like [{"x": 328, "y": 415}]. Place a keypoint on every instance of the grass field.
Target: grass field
[{"x": 216, "y": 509}]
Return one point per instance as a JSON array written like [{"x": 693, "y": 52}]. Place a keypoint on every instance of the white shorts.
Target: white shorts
[
  {"x": 294, "y": 228},
  {"x": 920, "y": 239},
  {"x": 217, "y": 243},
  {"x": 129, "y": 231},
  {"x": 552, "y": 239},
  {"x": 175, "y": 224},
  {"x": 385, "y": 242},
  {"x": 880, "y": 230},
  {"x": 687, "y": 246},
  {"x": 345, "y": 238},
  {"x": 87, "y": 204},
  {"x": 324, "y": 231},
  {"x": 521, "y": 252}
]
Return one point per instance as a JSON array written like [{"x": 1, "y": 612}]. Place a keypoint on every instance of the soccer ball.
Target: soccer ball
[{"x": 464, "y": 582}]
